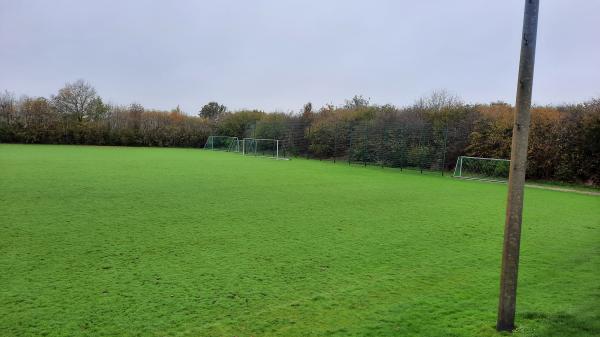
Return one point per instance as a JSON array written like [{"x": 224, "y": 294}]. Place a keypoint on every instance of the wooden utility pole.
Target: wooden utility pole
[{"x": 516, "y": 180}]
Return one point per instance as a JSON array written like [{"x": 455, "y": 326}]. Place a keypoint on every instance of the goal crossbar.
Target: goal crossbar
[{"x": 484, "y": 158}]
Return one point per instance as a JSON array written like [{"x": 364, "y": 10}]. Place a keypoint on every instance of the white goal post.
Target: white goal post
[
  {"x": 478, "y": 168},
  {"x": 264, "y": 147},
  {"x": 222, "y": 143}
]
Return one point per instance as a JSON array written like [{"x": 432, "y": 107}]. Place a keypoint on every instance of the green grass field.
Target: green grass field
[{"x": 107, "y": 241}]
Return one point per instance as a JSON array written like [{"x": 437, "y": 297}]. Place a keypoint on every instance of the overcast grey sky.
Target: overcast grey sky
[{"x": 278, "y": 54}]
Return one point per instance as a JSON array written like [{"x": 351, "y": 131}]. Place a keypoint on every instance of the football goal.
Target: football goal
[
  {"x": 222, "y": 143},
  {"x": 271, "y": 148},
  {"x": 491, "y": 169}
]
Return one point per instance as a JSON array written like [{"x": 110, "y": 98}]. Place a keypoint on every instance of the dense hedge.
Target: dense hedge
[{"x": 564, "y": 140}]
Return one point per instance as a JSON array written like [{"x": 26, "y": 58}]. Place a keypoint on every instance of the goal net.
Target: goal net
[
  {"x": 271, "y": 148},
  {"x": 222, "y": 143},
  {"x": 491, "y": 169}
]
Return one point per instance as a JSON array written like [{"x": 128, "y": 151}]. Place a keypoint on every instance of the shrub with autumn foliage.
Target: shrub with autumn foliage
[
  {"x": 564, "y": 143},
  {"x": 40, "y": 120}
]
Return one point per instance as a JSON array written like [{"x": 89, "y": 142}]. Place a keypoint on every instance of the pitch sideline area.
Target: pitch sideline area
[{"x": 154, "y": 241}]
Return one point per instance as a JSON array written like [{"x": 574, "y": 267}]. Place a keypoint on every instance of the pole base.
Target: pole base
[{"x": 505, "y": 327}]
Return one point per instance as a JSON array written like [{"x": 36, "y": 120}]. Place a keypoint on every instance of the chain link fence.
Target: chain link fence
[{"x": 418, "y": 146}]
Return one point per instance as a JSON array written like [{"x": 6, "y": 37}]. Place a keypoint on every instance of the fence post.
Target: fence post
[
  {"x": 382, "y": 147},
  {"x": 335, "y": 131},
  {"x": 307, "y": 143},
  {"x": 420, "y": 151},
  {"x": 350, "y": 129},
  {"x": 444, "y": 154},
  {"x": 365, "y": 148},
  {"x": 402, "y": 149}
]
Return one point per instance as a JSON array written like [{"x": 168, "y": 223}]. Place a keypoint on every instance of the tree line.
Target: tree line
[
  {"x": 564, "y": 139},
  {"x": 77, "y": 115}
]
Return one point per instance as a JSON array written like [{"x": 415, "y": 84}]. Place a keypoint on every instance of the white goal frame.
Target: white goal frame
[
  {"x": 250, "y": 148},
  {"x": 458, "y": 169},
  {"x": 234, "y": 145}
]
